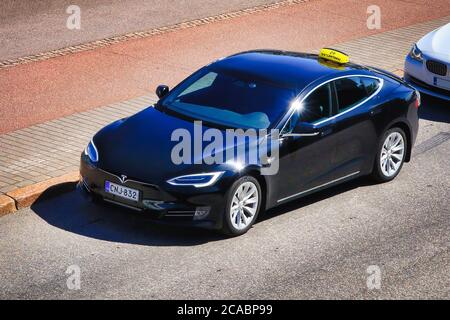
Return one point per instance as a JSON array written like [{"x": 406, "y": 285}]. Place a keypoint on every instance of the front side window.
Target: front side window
[
  {"x": 353, "y": 90},
  {"x": 230, "y": 100},
  {"x": 317, "y": 106}
]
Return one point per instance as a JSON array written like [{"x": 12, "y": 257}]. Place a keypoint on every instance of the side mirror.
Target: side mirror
[
  {"x": 303, "y": 129},
  {"x": 162, "y": 90}
]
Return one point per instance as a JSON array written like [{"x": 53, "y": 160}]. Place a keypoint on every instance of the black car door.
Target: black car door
[
  {"x": 305, "y": 161},
  {"x": 355, "y": 134}
]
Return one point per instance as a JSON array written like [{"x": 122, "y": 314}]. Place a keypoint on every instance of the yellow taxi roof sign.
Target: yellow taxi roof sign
[{"x": 334, "y": 55}]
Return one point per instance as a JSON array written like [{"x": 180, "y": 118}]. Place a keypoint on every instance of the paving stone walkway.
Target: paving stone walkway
[{"x": 53, "y": 148}]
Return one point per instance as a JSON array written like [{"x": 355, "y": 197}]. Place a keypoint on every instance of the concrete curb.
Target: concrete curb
[
  {"x": 7, "y": 205},
  {"x": 26, "y": 196}
]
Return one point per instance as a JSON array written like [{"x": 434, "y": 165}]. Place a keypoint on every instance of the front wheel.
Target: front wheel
[
  {"x": 391, "y": 155},
  {"x": 242, "y": 208}
]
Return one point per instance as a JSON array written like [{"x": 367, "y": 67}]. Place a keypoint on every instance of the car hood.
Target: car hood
[
  {"x": 140, "y": 147},
  {"x": 437, "y": 43}
]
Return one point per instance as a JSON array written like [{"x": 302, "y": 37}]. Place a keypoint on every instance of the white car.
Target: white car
[{"x": 427, "y": 66}]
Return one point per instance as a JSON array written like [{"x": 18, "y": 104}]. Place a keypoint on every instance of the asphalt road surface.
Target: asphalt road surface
[
  {"x": 316, "y": 247},
  {"x": 32, "y": 26}
]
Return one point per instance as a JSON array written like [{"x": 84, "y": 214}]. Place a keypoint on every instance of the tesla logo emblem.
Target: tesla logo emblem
[{"x": 123, "y": 178}]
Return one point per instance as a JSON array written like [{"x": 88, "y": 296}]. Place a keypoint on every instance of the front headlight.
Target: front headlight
[
  {"x": 91, "y": 151},
  {"x": 197, "y": 180},
  {"x": 416, "y": 54}
]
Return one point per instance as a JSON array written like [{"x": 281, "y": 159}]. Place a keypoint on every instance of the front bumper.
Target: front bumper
[
  {"x": 177, "y": 207},
  {"x": 418, "y": 76}
]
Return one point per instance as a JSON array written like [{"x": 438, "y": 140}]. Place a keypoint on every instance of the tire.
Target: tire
[
  {"x": 233, "y": 221},
  {"x": 393, "y": 153}
]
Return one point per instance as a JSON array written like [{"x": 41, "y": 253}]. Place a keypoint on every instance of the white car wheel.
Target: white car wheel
[
  {"x": 243, "y": 204},
  {"x": 392, "y": 154}
]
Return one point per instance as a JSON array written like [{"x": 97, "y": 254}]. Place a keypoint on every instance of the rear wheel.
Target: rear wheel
[
  {"x": 243, "y": 204},
  {"x": 391, "y": 155}
]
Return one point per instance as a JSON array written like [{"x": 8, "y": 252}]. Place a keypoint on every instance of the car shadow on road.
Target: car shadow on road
[
  {"x": 434, "y": 109},
  {"x": 318, "y": 196},
  {"x": 74, "y": 213}
]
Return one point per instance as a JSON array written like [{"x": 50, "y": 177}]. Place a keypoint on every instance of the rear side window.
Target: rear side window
[
  {"x": 353, "y": 90},
  {"x": 371, "y": 85}
]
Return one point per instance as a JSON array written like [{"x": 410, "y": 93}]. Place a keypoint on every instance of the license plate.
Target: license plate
[
  {"x": 442, "y": 83},
  {"x": 122, "y": 191}
]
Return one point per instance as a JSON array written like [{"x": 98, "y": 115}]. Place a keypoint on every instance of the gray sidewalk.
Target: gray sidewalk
[{"x": 52, "y": 149}]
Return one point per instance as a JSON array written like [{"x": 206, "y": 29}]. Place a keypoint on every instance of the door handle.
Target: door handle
[{"x": 375, "y": 111}]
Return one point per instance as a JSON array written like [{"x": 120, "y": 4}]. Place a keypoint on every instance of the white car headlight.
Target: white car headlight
[
  {"x": 416, "y": 54},
  {"x": 91, "y": 151},
  {"x": 197, "y": 180}
]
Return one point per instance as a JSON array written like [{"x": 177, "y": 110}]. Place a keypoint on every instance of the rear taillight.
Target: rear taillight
[{"x": 418, "y": 100}]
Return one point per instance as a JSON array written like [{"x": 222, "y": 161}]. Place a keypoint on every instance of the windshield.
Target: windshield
[{"x": 229, "y": 100}]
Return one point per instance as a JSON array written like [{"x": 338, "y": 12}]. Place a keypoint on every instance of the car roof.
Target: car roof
[{"x": 282, "y": 68}]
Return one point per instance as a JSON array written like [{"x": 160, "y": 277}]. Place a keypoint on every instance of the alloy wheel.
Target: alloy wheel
[
  {"x": 244, "y": 205},
  {"x": 392, "y": 154}
]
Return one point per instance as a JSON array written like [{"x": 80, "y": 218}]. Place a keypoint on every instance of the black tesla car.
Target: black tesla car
[{"x": 333, "y": 122}]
